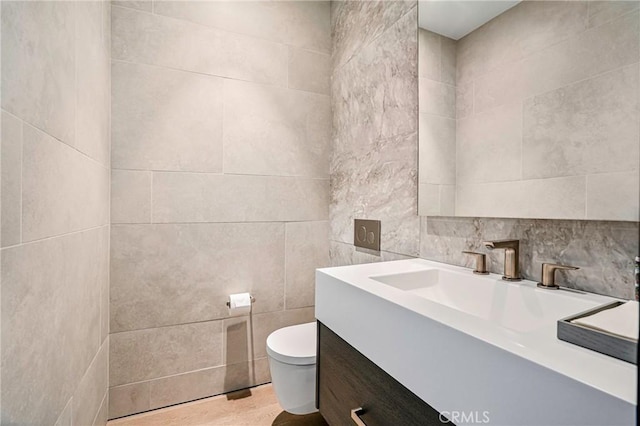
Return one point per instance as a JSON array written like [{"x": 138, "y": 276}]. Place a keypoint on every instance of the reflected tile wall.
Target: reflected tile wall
[
  {"x": 220, "y": 184},
  {"x": 55, "y": 212}
]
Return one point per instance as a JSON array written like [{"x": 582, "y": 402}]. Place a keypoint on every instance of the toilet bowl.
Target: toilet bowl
[{"x": 292, "y": 361}]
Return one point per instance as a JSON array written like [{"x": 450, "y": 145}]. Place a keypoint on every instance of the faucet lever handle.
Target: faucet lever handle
[
  {"x": 549, "y": 274},
  {"x": 481, "y": 262}
]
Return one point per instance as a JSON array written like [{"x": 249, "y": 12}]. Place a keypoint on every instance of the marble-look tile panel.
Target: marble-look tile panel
[
  {"x": 199, "y": 197},
  {"x": 174, "y": 274},
  {"x": 128, "y": 399},
  {"x": 157, "y": 352},
  {"x": 310, "y": 71},
  {"x": 520, "y": 31},
  {"x": 274, "y": 131},
  {"x": 152, "y": 39},
  {"x": 603, "y": 250},
  {"x": 373, "y": 166},
  {"x": 93, "y": 83},
  {"x": 62, "y": 190},
  {"x": 601, "y": 12},
  {"x": 38, "y": 65},
  {"x": 437, "y": 150},
  {"x": 130, "y": 196},
  {"x": 11, "y": 179},
  {"x": 613, "y": 196},
  {"x": 91, "y": 389},
  {"x": 355, "y": 24},
  {"x": 306, "y": 249},
  {"x": 165, "y": 119},
  {"x": 554, "y": 198},
  {"x": 41, "y": 285},
  {"x": 489, "y": 146},
  {"x": 303, "y": 24},
  {"x": 585, "y": 128}
]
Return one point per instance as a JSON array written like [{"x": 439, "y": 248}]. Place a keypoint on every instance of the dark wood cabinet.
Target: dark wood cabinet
[{"x": 347, "y": 380}]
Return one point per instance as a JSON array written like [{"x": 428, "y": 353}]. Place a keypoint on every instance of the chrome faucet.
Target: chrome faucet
[{"x": 511, "y": 257}]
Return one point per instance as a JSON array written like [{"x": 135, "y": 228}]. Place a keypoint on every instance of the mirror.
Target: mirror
[{"x": 529, "y": 109}]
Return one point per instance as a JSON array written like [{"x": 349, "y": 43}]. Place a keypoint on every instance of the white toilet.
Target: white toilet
[{"x": 292, "y": 361}]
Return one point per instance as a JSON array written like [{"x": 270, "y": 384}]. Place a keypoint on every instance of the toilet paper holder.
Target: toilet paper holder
[{"x": 253, "y": 300}]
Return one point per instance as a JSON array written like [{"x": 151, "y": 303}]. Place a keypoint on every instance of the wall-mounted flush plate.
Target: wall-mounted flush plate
[{"x": 366, "y": 234}]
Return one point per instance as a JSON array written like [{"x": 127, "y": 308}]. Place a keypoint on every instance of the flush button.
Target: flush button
[{"x": 367, "y": 234}]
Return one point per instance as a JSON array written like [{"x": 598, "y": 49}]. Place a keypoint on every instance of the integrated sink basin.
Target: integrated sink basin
[
  {"x": 514, "y": 306},
  {"x": 475, "y": 343}
]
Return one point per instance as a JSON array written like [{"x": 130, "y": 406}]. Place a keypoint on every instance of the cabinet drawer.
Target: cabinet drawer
[{"x": 348, "y": 380}]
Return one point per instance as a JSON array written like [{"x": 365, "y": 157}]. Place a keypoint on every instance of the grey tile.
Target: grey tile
[
  {"x": 184, "y": 197},
  {"x": 38, "y": 65},
  {"x": 93, "y": 83},
  {"x": 302, "y": 24},
  {"x": 245, "y": 338},
  {"x": 437, "y": 98},
  {"x": 173, "y": 274},
  {"x": 274, "y": 131},
  {"x": 165, "y": 119},
  {"x": 156, "y": 352},
  {"x": 489, "y": 146},
  {"x": 146, "y": 5},
  {"x": 130, "y": 196},
  {"x": 613, "y": 196},
  {"x": 11, "y": 151},
  {"x": 40, "y": 287},
  {"x": 589, "y": 127},
  {"x": 601, "y": 12},
  {"x": 128, "y": 399},
  {"x": 437, "y": 150},
  {"x": 91, "y": 390},
  {"x": 153, "y": 39},
  {"x": 429, "y": 54},
  {"x": 306, "y": 249},
  {"x": 62, "y": 189},
  {"x": 554, "y": 198},
  {"x": 308, "y": 70}
]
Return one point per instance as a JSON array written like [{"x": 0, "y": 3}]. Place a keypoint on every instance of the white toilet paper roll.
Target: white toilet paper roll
[{"x": 239, "y": 304}]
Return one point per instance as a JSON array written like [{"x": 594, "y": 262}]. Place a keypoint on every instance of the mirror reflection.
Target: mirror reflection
[{"x": 529, "y": 109}]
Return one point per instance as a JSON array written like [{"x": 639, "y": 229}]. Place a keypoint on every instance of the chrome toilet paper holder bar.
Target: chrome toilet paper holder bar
[{"x": 253, "y": 300}]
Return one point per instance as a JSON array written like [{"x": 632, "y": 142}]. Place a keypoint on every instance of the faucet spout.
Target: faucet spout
[{"x": 511, "y": 257}]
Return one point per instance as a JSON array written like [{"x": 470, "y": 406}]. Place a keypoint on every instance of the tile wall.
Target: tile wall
[
  {"x": 220, "y": 184},
  {"x": 374, "y": 161},
  {"x": 55, "y": 212}
]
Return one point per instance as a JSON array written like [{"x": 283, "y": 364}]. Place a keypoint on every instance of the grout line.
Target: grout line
[
  {"x": 186, "y": 172},
  {"x": 150, "y": 197},
  {"x": 22, "y": 124},
  {"x": 66, "y": 234}
]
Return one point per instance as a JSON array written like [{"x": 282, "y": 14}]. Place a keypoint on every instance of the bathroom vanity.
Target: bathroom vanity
[{"x": 416, "y": 341}]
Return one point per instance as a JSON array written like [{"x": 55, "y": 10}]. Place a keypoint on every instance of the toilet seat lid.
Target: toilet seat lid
[{"x": 294, "y": 345}]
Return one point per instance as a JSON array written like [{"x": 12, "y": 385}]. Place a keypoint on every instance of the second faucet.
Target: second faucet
[{"x": 511, "y": 257}]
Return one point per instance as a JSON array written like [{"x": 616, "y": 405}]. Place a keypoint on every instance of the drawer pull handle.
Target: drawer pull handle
[{"x": 355, "y": 416}]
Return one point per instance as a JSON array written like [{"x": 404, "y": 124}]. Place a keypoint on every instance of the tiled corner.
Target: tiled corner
[{"x": 130, "y": 196}]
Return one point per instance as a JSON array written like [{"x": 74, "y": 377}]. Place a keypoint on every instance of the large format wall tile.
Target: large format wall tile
[
  {"x": 274, "y": 131},
  {"x": 585, "y": 128},
  {"x": 11, "y": 178},
  {"x": 175, "y": 274},
  {"x": 144, "y": 354},
  {"x": 437, "y": 149},
  {"x": 38, "y": 65},
  {"x": 128, "y": 399},
  {"x": 92, "y": 388},
  {"x": 303, "y": 24},
  {"x": 613, "y": 196},
  {"x": 152, "y": 39},
  {"x": 603, "y": 11},
  {"x": 49, "y": 288},
  {"x": 93, "y": 82},
  {"x": 306, "y": 248},
  {"x": 198, "y": 197},
  {"x": 165, "y": 119},
  {"x": 130, "y": 196},
  {"x": 62, "y": 189},
  {"x": 309, "y": 70}
]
